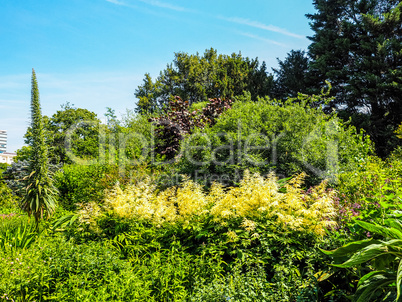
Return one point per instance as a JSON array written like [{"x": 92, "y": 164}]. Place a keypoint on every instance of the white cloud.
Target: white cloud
[
  {"x": 117, "y": 2},
  {"x": 152, "y": 3},
  {"x": 260, "y": 38},
  {"x": 164, "y": 5},
  {"x": 263, "y": 26}
]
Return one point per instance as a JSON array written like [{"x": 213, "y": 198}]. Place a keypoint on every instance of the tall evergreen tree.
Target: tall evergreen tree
[
  {"x": 357, "y": 47},
  {"x": 292, "y": 75},
  {"x": 40, "y": 196}
]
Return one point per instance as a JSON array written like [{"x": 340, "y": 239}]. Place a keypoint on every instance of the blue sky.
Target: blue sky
[{"x": 95, "y": 53}]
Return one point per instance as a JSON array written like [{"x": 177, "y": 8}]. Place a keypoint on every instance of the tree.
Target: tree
[
  {"x": 196, "y": 78},
  {"x": 82, "y": 128},
  {"x": 78, "y": 125},
  {"x": 357, "y": 47},
  {"x": 173, "y": 126},
  {"x": 40, "y": 194},
  {"x": 292, "y": 75}
]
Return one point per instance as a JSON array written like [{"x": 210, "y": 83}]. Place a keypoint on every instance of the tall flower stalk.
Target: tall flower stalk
[{"x": 40, "y": 196}]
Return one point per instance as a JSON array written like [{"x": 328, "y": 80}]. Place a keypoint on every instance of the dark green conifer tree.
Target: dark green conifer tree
[{"x": 357, "y": 47}]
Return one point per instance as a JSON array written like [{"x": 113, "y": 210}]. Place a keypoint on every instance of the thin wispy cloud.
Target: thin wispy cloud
[
  {"x": 249, "y": 35},
  {"x": 152, "y": 3},
  {"x": 263, "y": 26},
  {"x": 163, "y": 5},
  {"x": 117, "y": 2}
]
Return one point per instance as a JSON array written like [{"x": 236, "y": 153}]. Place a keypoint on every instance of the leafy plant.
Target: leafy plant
[
  {"x": 384, "y": 256},
  {"x": 40, "y": 194},
  {"x": 371, "y": 191},
  {"x": 84, "y": 183},
  {"x": 20, "y": 237},
  {"x": 268, "y": 136},
  {"x": 6, "y": 196},
  {"x": 399, "y": 131},
  {"x": 178, "y": 122}
]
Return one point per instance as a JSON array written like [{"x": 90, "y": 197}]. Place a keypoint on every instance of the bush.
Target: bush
[
  {"x": 371, "y": 191},
  {"x": 260, "y": 222},
  {"x": 255, "y": 199},
  {"x": 55, "y": 270},
  {"x": 6, "y": 196},
  {"x": 264, "y": 136},
  {"x": 172, "y": 127},
  {"x": 80, "y": 184}
]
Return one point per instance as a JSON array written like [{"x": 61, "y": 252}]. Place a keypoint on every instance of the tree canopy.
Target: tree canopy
[
  {"x": 292, "y": 75},
  {"x": 196, "y": 78},
  {"x": 357, "y": 47},
  {"x": 80, "y": 125}
]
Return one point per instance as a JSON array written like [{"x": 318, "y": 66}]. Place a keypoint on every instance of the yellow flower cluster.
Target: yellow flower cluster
[
  {"x": 399, "y": 131},
  {"x": 143, "y": 202},
  {"x": 256, "y": 198}
]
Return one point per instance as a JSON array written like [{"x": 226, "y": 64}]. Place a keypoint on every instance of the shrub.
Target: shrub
[
  {"x": 399, "y": 131},
  {"x": 383, "y": 281},
  {"x": 84, "y": 183},
  {"x": 264, "y": 136},
  {"x": 6, "y": 196},
  {"x": 255, "y": 198},
  {"x": 371, "y": 191},
  {"x": 55, "y": 270},
  {"x": 178, "y": 122}
]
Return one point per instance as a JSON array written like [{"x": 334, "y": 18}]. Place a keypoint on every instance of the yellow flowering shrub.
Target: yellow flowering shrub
[
  {"x": 399, "y": 131},
  {"x": 256, "y": 198}
]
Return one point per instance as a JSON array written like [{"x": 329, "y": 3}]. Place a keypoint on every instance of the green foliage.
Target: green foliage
[
  {"x": 55, "y": 270},
  {"x": 235, "y": 286},
  {"x": 264, "y": 136},
  {"x": 40, "y": 194},
  {"x": 178, "y": 122},
  {"x": 15, "y": 177},
  {"x": 15, "y": 238},
  {"x": 371, "y": 191},
  {"x": 6, "y": 196},
  {"x": 385, "y": 257},
  {"x": 70, "y": 134},
  {"x": 399, "y": 131},
  {"x": 80, "y": 184},
  {"x": 80, "y": 128},
  {"x": 257, "y": 223},
  {"x": 355, "y": 47},
  {"x": 291, "y": 77},
  {"x": 197, "y": 78}
]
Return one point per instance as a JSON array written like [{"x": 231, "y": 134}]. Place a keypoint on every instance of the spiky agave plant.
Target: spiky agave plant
[{"x": 40, "y": 196}]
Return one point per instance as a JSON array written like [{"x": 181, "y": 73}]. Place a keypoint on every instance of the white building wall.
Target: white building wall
[
  {"x": 3, "y": 141},
  {"x": 7, "y": 158}
]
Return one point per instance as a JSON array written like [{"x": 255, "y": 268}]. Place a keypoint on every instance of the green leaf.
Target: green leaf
[
  {"x": 350, "y": 248},
  {"x": 399, "y": 281},
  {"x": 367, "y": 253},
  {"x": 384, "y": 261},
  {"x": 394, "y": 223},
  {"x": 371, "y": 283},
  {"x": 380, "y": 230}
]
